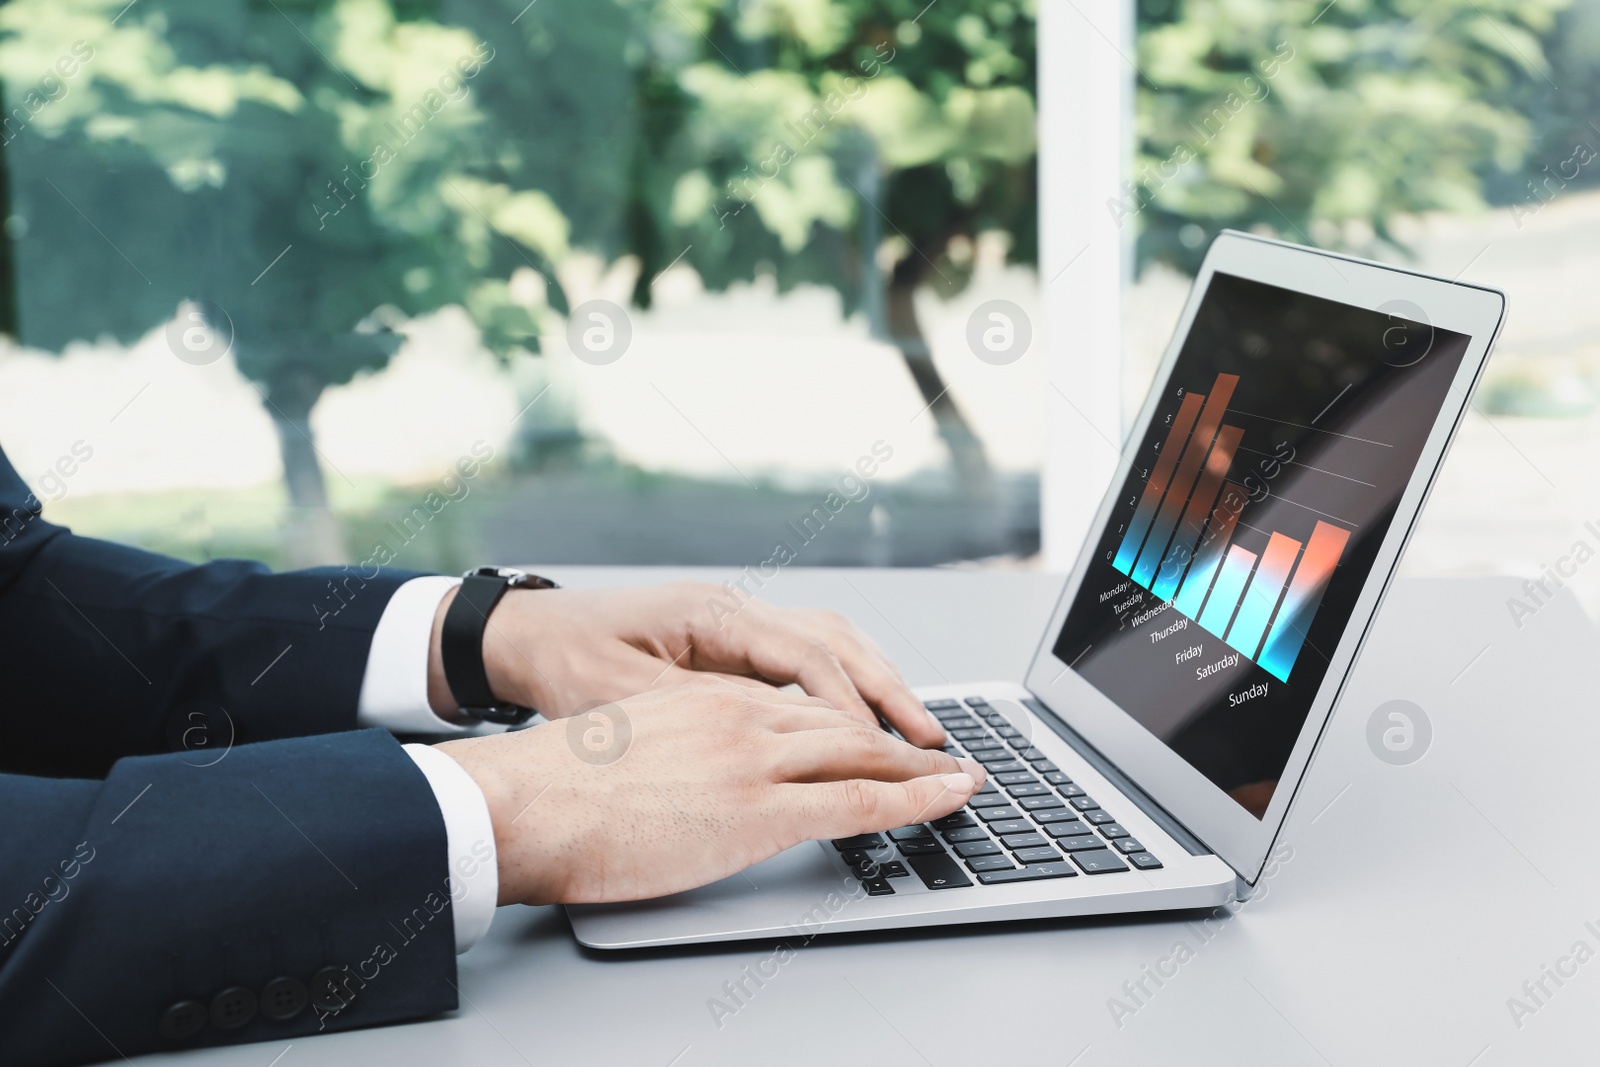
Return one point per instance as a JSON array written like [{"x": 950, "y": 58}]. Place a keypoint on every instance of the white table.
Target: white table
[{"x": 1418, "y": 899}]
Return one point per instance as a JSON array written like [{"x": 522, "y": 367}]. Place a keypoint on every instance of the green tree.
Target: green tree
[
  {"x": 1306, "y": 117},
  {"x": 302, "y": 177},
  {"x": 856, "y": 144}
]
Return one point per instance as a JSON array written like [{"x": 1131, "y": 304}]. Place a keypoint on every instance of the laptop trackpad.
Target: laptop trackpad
[{"x": 790, "y": 892}]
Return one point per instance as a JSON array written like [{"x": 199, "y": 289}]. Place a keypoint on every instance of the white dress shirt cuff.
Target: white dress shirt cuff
[
  {"x": 474, "y": 876},
  {"x": 394, "y": 691}
]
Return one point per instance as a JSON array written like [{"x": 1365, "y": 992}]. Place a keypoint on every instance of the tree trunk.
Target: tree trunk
[
  {"x": 892, "y": 316},
  {"x": 312, "y": 536},
  {"x": 967, "y": 453}
]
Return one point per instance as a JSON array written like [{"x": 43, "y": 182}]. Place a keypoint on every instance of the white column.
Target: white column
[{"x": 1086, "y": 74}]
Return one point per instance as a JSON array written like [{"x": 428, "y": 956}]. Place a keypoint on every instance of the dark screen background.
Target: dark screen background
[{"x": 1354, "y": 393}]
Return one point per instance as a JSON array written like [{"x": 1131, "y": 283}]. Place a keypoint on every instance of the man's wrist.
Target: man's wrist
[{"x": 513, "y": 679}]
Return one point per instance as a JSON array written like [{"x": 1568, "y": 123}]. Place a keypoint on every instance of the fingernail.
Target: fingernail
[
  {"x": 973, "y": 768},
  {"x": 958, "y": 783}
]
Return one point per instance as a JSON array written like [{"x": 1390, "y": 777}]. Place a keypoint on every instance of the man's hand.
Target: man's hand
[
  {"x": 559, "y": 649},
  {"x": 685, "y": 785}
]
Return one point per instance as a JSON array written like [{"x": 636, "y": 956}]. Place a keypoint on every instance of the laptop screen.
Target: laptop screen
[{"x": 1262, "y": 490}]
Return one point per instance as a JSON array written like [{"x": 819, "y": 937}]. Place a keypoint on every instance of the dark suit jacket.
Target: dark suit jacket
[{"x": 198, "y": 846}]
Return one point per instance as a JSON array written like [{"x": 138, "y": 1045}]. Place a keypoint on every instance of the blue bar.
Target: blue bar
[
  {"x": 1261, "y": 596},
  {"x": 1230, "y": 584}
]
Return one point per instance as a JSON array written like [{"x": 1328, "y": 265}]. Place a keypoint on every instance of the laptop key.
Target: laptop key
[
  {"x": 910, "y": 833},
  {"x": 1070, "y": 790},
  {"x": 1100, "y": 861},
  {"x": 858, "y": 859},
  {"x": 1080, "y": 843},
  {"x": 989, "y": 863},
  {"x": 967, "y": 733},
  {"x": 1057, "y": 815},
  {"x": 858, "y": 841},
  {"x": 1031, "y": 754},
  {"x": 1128, "y": 846},
  {"x": 921, "y": 848},
  {"x": 1029, "y": 873},
  {"x": 893, "y": 869},
  {"x": 1084, "y": 803},
  {"x": 991, "y": 755},
  {"x": 977, "y": 848},
  {"x": 1044, "y": 766},
  {"x": 1004, "y": 767},
  {"x": 1014, "y": 778},
  {"x": 1028, "y": 789},
  {"x": 878, "y": 887},
  {"x": 953, "y": 820},
  {"x": 977, "y": 702},
  {"x": 996, "y": 814},
  {"x": 1037, "y": 855},
  {"x": 984, "y": 744},
  {"x": 1011, "y": 826},
  {"x": 1038, "y": 803},
  {"x": 939, "y": 872},
  {"x": 1057, "y": 778},
  {"x": 1144, "y": 861},
  {"x": 1016, "y": 841},
  {"x": 941, "y": 703},
  {"x": 964, "y": 833},
  {"x": 1075, "y": 828},
  {"x": 1098, "y": 817},
  {"x": 1113, "y": 831}
]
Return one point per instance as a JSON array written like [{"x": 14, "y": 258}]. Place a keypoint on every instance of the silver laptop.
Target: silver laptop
[{"x": 1150, "y": 756}]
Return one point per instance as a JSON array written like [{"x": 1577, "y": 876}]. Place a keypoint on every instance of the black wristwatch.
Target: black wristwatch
[{"x": 461, "y": 642}]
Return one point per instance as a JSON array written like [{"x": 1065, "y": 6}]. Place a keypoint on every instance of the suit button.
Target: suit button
[
  {"x": 283, "y": 998},
  {"x": 232, "y": 1008},
  {"x": 333, "y": 989},
  {"x": 182, "y": 1020}
]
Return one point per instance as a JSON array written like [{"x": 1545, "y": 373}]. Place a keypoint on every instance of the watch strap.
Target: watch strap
[{"x": 461, "y": 642}]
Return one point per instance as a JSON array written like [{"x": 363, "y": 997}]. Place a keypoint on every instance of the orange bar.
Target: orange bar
[
  {"x": 1300, "y": 603},
  {"x": 1156, "y": 484},
  {"x": 1205, "y": 431}
]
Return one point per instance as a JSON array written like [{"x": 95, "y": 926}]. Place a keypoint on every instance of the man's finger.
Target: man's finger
[
  {"x": 759, "y": 688},
  {"x": 861, "y": 806},
  {"x": 784, "y": 655},
  {"x": 858, "y": 752},
  {"x": 883, "y": 691},
  {"x": 820, "y": 715},
  {"x": 843, "y": 626}
]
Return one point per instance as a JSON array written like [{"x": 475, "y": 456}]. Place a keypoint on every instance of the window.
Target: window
[
  {"x": 617, "y": 281},
  {"x": 1457, "y": 137}
]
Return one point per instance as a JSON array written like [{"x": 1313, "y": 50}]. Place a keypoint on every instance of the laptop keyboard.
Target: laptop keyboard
[{"x": 1030, "y": 821}]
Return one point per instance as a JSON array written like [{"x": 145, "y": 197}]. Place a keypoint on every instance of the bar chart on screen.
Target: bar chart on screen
[{"x": 1180, "y": 542}]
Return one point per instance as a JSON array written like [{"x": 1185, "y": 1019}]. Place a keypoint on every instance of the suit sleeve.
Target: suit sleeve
[
  {"x": 294, "y": 887},
  {"x": 112, "y": 651}
]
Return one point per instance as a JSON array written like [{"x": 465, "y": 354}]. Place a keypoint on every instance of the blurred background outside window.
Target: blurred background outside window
[
  {"x": 681, "y": 281},
  {"x": 1458, "y": 137},
  {"x": 693, "y": 277}
]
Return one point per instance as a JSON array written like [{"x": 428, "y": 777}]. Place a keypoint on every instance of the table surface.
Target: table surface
[{"x": 1417, "y": 901}]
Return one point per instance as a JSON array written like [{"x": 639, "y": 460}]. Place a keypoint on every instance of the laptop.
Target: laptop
[{"x": 1148, "y": 759}]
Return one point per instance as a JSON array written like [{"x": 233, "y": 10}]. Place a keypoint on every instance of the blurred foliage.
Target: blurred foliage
[
  {"x": 321, "y": 170},
  {"x": 812, "y": 131},
  {"x": 1319, "y": 121}
]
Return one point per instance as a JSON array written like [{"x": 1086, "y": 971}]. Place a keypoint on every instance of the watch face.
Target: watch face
[
  {"x": 514, "y": 578},
  {"x": 495, "y": 572}
]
